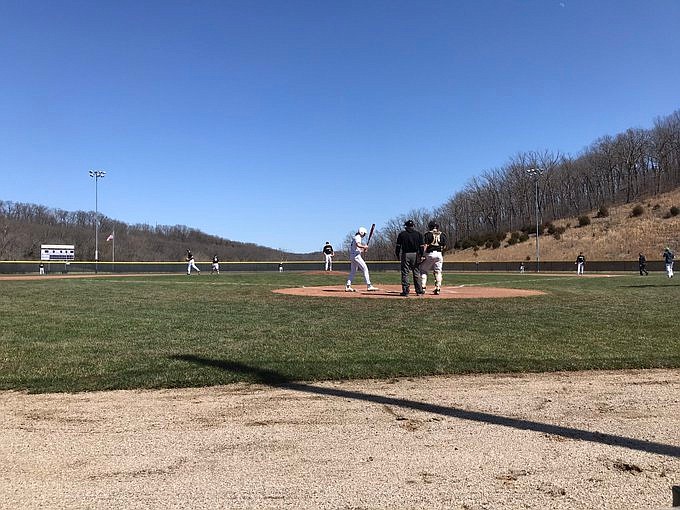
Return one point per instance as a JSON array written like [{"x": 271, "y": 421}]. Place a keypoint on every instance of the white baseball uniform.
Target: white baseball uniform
[
  {"x": 357, "y": 262},
  {"x": 192, "y": 264}
]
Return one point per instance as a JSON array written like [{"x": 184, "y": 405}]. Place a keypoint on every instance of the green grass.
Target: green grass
[{"x": 176, "y": 331}]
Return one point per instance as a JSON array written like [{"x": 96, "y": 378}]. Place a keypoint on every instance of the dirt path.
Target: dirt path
[{"x": 562, "y": 441}]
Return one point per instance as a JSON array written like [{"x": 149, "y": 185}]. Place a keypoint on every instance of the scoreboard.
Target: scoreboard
[{"x": 57, "y": 252}]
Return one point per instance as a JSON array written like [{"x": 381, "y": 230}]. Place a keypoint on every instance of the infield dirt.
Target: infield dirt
[
  {"x": 393, "y": 292},
  {"x": 606, "y": 440}
]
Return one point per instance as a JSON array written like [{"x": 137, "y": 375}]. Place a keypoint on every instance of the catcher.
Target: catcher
[{"x": 435, "y": 246}]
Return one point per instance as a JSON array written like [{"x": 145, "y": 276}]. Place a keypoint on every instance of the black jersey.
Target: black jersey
[
  {"x": 580, "y": 259},
  {"x": 435, "y": 241},
  {"x": 328, "y": 249},
  {"x": 409, "y": 242},
  {"x": 215, "y": 259}
]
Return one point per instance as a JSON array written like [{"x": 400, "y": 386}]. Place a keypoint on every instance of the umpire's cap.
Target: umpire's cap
[{"x": 409, "y": 223}]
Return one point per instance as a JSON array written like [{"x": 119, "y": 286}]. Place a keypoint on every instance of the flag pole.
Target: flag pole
[{"x": 113, "y": 250}]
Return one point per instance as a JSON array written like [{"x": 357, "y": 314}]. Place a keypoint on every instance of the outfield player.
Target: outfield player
[
  {"x": 409, "y": 250},
  {"x": 357, "y": 261},
  {"x": 328, "y": 254},
  {"x": 215, "y": 269},
  {"x": 192, "y": 264},
  {"x": 435, "y": 245},
  {"x": 580, "y": 263},
  {"x": 668, "y": 257},
  {"x": 642, "y": 265}
]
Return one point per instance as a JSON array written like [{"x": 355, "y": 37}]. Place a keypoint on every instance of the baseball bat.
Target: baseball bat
[{"x": 370, "y": 234}]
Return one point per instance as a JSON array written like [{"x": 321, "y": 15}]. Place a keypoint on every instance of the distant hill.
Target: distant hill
[
  {"x": 24, "y": 227},
  {"x": 621, "y": 235}
]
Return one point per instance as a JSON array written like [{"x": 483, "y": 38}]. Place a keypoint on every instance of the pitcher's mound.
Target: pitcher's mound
[{"x": 393, "y": 291}]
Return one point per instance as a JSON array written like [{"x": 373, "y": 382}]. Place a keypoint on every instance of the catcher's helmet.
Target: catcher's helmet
[
  {"x": 362, "y": 231},
  {"x": 432, "y": 225}
]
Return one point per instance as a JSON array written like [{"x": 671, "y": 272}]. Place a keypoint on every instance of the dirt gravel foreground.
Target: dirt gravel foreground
[{"x": 578, "y": 440}]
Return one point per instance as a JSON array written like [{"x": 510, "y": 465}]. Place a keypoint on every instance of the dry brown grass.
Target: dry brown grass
[{"x": 616, "y": 237}]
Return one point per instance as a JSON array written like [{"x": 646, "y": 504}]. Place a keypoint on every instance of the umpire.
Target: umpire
[{"x": 409, "y": 251}]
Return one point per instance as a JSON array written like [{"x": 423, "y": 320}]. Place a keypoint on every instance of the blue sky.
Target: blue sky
[{"x": 291, "y": 123}]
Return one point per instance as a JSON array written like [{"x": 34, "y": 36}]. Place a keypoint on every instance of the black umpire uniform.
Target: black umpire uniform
[{"x": 409, "y": 251}]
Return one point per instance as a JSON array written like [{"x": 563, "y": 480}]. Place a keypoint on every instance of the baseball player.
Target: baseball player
[
  {"x": 668, "y": 257},
  {"x": 215, "y": 269},
  {"x": 357, "y": 261},
  {"x": 642, "y": 265},
  {"x": 409, "y": 250},
  {"x": 328, "y": 254},
  {"x": 435, "y": 245},
  {"x": 580, "y": 263},
  {"x": 192, "y": 264}
]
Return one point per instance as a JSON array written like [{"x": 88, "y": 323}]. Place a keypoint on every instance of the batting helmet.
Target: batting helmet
[{"x": 362, "y": 231}]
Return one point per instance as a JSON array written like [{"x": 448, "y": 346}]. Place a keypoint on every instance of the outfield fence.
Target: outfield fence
[{"x": 32, "y": 267}]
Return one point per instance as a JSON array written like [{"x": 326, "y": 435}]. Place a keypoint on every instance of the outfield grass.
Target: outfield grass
[{"x": 178, "y": 331}]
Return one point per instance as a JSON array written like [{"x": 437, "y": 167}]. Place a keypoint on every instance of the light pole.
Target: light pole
[
  {"x": 96, "y": 174},
  {"x": 535, "y": 173}
]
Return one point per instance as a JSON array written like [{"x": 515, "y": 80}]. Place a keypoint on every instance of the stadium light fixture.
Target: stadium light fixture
[
  {"x": 96, "y": 175},
  {"x": 535, "y": 173}
]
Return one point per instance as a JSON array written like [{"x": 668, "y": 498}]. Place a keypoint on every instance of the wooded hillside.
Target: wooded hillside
[
  {"x": 618, "y": 233},
  {"x": 635, "y": 166},
  {"x": 24, "y": 227}
]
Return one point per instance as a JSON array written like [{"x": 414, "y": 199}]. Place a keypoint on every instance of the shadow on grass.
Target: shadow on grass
[{"x": 277, "y": 380}]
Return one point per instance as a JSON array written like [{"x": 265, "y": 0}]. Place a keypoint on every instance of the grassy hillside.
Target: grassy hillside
[{"x": 620, "y": 236}]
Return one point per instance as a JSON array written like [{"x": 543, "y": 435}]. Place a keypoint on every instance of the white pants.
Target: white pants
[
  {"x": 579, "y": 268},
  {"x": 358, "y": 263},
  {"x": 192, "y": 264},
  {"x": 434, "y": 261},
  {"x": 216, "y": 267},
  {"x": 669, "y": 270},
  {"x": 42, "y": 270},
  {"x": 329, "y": 261}
]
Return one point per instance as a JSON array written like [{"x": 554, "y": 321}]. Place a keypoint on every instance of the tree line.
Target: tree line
[
  {"x": 24, "y": 227},
  {"x": 613, "y": 170}
]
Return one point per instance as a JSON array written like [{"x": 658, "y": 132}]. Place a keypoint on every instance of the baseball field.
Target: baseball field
[
  {"x": 162, "y": 331},
  {"x": 226, "y": 394}
]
